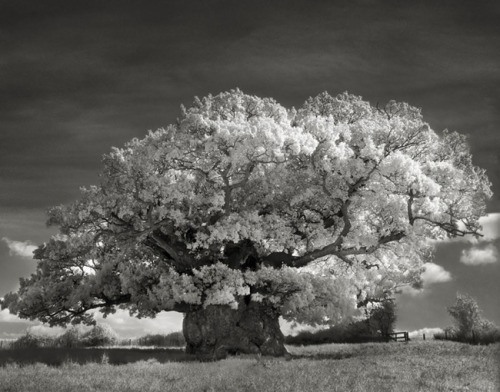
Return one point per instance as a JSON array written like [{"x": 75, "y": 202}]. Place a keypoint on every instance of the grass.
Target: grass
[{"x": 417, "y": 366}]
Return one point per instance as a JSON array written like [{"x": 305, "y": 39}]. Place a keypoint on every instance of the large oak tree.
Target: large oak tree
[{"x": 244, "y": 211}]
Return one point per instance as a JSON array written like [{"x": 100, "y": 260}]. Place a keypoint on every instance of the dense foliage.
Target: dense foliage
[{"x": 314, "y": 212}]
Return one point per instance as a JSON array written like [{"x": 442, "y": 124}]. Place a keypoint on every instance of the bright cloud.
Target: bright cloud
[
  {"x": 479, "y": 255},
  {"x": 45, "y": 330},
  {"x": 491, "y": 226},
  {"x": 7, "y": 317},
  {"x": 125, "y": 326},
  {"x": 435, "y": 274},
  {"x": 129, "y": 327},
  {"x": 432, "y": 274},
  {"x": 20, "y": 248},
  {"x": 293, "y": 328}
]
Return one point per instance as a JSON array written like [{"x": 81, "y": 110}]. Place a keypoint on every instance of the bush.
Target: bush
[
  {"x": 71, "y": 338},
  {"x": 100, "y": 335},
  {"x": 449, "y": 333},
  {"x": 470, "y": 326},
  {"x": 374, "y": 329},
  {"x": 359, "y": 332},
  {"x": 174, "y": 339},
  {"x": 30, "y": 340},
  {"x": 383, "y": 318}
]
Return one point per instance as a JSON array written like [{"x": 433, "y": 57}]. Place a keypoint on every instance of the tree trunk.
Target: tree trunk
[{"x": 217, "y": 330}]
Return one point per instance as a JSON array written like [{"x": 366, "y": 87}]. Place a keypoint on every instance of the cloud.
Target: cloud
[
  {"x": 491, "y": 226},
  {"x": 20, "y": 248},
  {"x": 128, "y": 327},
  {"x": 45, "y": 330},
  {"x": 292, "y": 328},
  {"x": 432, "y": 274},
  {"x": 477, "y": 255},
  {"x": 7, "y": 317},
  {"x": 125, "y": 326}
]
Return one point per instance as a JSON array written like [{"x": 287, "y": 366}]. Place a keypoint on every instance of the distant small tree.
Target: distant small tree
[
  {"x": 383, "y": 318},
  {"x": 470, "y": 325},
  {"x": 174, "y": 339},
  {"x": 488, "y": 332},
  {"x": 31, "y": 340},
  {"x": 72, "y": 337},
  {"x": 466, "y": 314},
  {"x": 100, "y": 335}
]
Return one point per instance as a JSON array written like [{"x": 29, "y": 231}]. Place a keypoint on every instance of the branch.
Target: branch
[
  {"x": 333, "y": 250},
  {"x": 65, "y": 314},
  {"x": 183, "y": 261},
  {"x": 353, "y": 188},
  {"x": 449, "y": 227},
  {"x": 411, "y": 218}
]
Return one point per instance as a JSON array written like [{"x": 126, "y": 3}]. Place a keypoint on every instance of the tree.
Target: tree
[
  {"x": 383, "y": 317},
  {"x": 72, "y": 337},
  {"x": 467, "y": 315},
  {"x": 470, "y": 326},
  {"x": 244, "y": 211},
  {"x": 100, "y": 335}
]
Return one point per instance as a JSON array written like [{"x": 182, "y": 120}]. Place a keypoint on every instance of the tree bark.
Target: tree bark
[{"x": 218, "y": 330}]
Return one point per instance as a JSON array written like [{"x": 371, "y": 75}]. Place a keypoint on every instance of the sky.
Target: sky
[{"x": 77, "y": 78}]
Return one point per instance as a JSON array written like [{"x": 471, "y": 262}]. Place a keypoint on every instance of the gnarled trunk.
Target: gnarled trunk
[{"x": 218, "y": 330}]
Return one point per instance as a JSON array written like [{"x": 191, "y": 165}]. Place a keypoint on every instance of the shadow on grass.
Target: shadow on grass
[{"x": 323, "y": 356}]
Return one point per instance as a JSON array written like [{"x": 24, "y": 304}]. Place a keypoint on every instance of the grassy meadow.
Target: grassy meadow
[{"x": 417, "y": 366}]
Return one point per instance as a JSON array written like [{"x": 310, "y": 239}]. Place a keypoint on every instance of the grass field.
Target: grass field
[{"x": 416, "y": 366}]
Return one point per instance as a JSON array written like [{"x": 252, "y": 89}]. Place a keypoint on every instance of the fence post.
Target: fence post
[{"x": 424, "y": 336}]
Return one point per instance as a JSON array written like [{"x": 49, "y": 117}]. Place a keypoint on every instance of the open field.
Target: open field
[{"x": 417, "y": 366}]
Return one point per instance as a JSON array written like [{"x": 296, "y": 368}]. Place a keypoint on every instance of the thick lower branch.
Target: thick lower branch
[
  {"x": 278, "y": 259},
  {"x": 176, "y": 252}
]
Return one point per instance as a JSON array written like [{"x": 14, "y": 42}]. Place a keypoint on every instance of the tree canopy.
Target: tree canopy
[{"x": 316, "y": 211}]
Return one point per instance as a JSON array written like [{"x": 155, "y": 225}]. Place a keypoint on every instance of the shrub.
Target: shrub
[
  {"x": 374, "y": 329},
  {"x": 30, "y": 340},
  {"x": 470, "y": 326},
  {"x": 71, "y": 338},
  {"x": 174, "y": 339},
  {"x": 449, "y": 333},
  {"x": 383, "y": 318},
  {"x": 100, "y": 335},
  {"x": 359, "y": 332}
]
